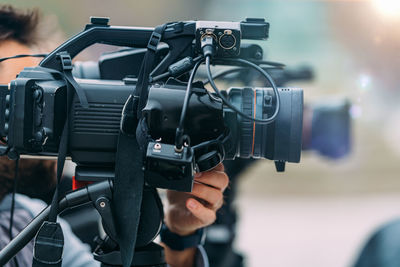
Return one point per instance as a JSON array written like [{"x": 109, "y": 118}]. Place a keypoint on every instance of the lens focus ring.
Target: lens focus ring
[{"x": 246, "y": 125}]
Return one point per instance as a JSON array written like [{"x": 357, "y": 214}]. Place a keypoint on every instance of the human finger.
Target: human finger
[
  {"x": 204, "y": 215},
  {"x": 215, "y": 179},
  {"x": 212, "y": 196},
  {"x": 220, "y": 167}
]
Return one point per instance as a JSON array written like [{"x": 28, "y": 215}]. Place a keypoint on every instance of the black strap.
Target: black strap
[
  {"x": 147, "y": 66},
  {"x": 128, "y": 186},
  {"x": 142, "y": 135},
  {"x": 129, "y": 176},
  {"x": 48, "y": 246},
  {"x": 62, "y": 152},
  {"x": 63, "y": 146},
  {"x": 50, "y": 235},
  {"x": 66, "y": 63}
]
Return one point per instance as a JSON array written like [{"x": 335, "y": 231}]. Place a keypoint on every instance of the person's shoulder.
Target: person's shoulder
[
  {"x": 389, "y": 229},
  {"x": 385, "y": 237},
  {"x": 32, "y": 205},
  {"x": 382, "y": 247}
]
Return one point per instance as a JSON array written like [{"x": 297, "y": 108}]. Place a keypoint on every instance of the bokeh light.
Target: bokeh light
[{"x": 390, "y": 8}]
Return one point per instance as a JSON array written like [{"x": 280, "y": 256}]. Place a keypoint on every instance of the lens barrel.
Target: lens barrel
[{"x": 279, "y": 140}]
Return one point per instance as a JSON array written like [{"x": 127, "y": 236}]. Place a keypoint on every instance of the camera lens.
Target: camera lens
[{"x": 279, "y": 140}]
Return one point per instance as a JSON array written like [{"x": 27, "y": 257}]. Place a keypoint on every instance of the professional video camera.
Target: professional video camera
[{"x": 160, "y": 126}]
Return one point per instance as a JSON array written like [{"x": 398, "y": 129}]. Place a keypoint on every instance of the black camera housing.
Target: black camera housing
[
  {"x": 133, "y": 132},
  {"x": 37, "y": 106}
]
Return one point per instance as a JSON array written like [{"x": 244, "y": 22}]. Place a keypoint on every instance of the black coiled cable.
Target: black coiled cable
[{"x": 230, "y": 105}]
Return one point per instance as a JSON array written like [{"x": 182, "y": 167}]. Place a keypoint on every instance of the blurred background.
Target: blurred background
[{"x": 321, "y": 211}]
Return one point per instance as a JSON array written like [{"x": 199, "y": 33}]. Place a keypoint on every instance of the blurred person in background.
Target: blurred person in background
[
  {"x": 186, "y": 212},
  {"x": 382, "y": 248},
  {"x": 373, "y": 39}
]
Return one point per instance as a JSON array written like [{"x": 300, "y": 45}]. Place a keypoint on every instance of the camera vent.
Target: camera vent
[{"x": 101, "y": 118}]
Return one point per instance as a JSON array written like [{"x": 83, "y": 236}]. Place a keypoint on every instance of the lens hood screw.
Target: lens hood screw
[{"x": 258, "y": 55}]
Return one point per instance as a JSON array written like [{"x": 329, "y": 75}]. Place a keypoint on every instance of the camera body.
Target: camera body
[
  {"x": 154, "y": 131},
  {"x": 36, "y": 106}
]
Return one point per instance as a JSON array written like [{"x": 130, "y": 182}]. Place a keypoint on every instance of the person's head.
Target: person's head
[{"x": 19, "y": 33}]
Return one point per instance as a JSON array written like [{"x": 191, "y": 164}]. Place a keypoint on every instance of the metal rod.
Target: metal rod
[
  {"x": 70, "y": 200},
  {"x": 26, "y": 235}
]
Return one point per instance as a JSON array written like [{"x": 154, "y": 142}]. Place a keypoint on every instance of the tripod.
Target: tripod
[{"x": 100, "y": 194}]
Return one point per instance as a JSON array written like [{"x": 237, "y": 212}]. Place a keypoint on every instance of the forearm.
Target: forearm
[{"x": 184, "y": 258}]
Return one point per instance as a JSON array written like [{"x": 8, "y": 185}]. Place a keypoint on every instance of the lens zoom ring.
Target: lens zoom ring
[{"x": 246, "y": 125}]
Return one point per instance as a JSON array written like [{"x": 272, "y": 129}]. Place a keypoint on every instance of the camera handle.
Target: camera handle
[{"x": 177, "y": 35}]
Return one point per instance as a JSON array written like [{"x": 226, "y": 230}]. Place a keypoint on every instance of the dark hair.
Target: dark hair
[
  {"x": 19, "y": 25},
  {"x": 36, "y": 177}
]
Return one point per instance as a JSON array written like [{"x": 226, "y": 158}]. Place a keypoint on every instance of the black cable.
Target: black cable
[
  {"x": 230, "y": 71},
  {"x": 159, "y": 77},
  {"x": 230, "y": 105},
  {"x": 13, "y": 199},
  {"x": 213, "y": 98},
  {"x": 269, "y": 63},
  {"x": 223, "y": 61},
  {"x": 167, "y": 74},
  {"x": 179, "y": 130},
  {"x": 22, "y": 55},
  {"x": 222, "y": 74},
  {"x": 198, "y": 58},
  {"x": 13, "y": 205}
]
